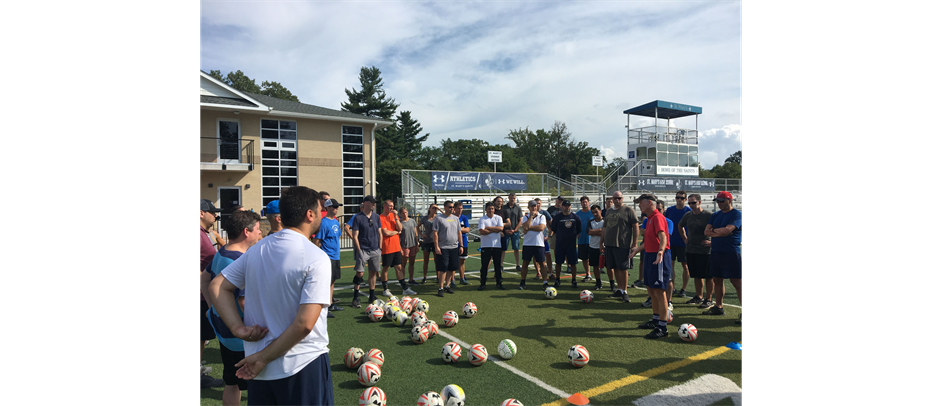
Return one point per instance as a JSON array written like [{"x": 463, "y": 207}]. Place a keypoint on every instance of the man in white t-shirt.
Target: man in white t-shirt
[
  {"x": 533, "y": 225},
  {"x": 490, "y": 227},
  {"x": 286, "y": 279}
]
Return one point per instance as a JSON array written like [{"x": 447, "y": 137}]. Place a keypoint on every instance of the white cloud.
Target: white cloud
[{"x": 717, "y": 144}]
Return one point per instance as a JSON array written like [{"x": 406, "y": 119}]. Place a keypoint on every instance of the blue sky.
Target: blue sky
[{"x": 479, "y": 69}]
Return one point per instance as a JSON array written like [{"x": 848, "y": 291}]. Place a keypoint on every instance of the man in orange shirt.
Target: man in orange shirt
[{"x": 392, "y": 251}]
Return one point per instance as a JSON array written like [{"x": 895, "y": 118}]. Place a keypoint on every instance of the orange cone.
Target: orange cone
[{"x": 578, "y": 399}]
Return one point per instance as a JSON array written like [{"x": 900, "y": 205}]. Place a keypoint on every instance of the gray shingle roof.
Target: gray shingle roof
[
  {"x": 226, "y": 100},
  {"x": 295, "y": 107}
]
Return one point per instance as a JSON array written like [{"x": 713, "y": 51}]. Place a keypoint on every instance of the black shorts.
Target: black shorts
[
  {"x": 229, "y": 359},
  {"x": 392, "y": 259},
  {"x": 206, "y": 330},
  {"x": 312, "y": 385},
  {"x": 448, "y": 261},
  {"x": 503, "y": 241},
  {"x": 594, "y": 254},
  {"x": 584, "y": 252},
  {"x": 726, "y": 265},
  {"x": 428, "y": 247},
  {"x": 537, "y": 254},
  {"x": 334, "y": 270},
  {"x": 464, "y": 253},
  {"x": 567, "y": 253},
  {"x": 699, "y": 265},
  {"x": 679, "y": 254},
  {"x": 617, "y": 259}
]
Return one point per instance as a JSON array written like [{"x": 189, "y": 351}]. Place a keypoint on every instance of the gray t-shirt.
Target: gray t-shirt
[
  {"x": 619, "y": 225},
  {"x": 427, "y": 230},
  {"x": 449, "y": 231},
  {"x": 407, "y": 238},
  {"x": 513, "y": 214},
  {"x": 695, "y": 225}
]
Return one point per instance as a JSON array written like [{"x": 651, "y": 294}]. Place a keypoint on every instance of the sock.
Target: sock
[
  {"x": 372, "y": 292},
  {"x": 402, "y": 282},
  {"x": 662, "y": 324},
  {"x": 356, "y": 293},
  {"x": 656, "y": 317},
  {"x": 385, "y": 286}
]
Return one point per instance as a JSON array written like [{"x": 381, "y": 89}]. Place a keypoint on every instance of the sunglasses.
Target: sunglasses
[
  {"x": 371, "y": 222},
  {"x": 617, "y": 198},
  {"x": 681, "y": 198},
  {"x": 693, "y": 203}
]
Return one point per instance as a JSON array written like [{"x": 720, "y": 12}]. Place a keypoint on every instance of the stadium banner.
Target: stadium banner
[
  {"x": 673, "y": 184},
  {"x": 478, "y": 181}
]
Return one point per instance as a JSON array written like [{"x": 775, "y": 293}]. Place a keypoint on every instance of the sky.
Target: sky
[{"x": 476, "y": 70}]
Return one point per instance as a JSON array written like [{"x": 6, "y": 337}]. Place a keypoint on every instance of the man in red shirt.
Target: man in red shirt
[
  {"x": 656, "y": 265},
  {"x": 391, "y": 227}
]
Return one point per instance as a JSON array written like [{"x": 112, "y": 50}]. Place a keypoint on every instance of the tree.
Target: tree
[
  {"x": 735, "y": 157},
  {"x": 243, "y": 83},
  {"x": 370, "y": 100},
  {"x": 408, "y": 130},
  {"x": 276, "y": 90},
  {"x": 553, "y": 151}
]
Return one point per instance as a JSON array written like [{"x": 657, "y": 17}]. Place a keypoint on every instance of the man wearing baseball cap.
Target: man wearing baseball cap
[
  {"x": 656, "y": 265},
  {"x": 725, "y": 230},
  {"x": 328, "y": 239},
  {"x": 207, "y": 251},
  {"x": 566, "y": 226},
  {"x": 274, "y": 217}
]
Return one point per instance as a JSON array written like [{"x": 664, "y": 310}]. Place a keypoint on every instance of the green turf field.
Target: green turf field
[{"x": 623, "y": 366}]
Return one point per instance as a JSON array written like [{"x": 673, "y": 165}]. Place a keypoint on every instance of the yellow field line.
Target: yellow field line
[
  {"x": 416, "y": 260},
  {"x": 628, "y": 380}
]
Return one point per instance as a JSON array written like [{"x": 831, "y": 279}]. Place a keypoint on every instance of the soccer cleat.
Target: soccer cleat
[
  {"x": 207, "y": 381},
  {"x": 625, "y": 298},
  {"x": 336, "y": 300},
  {"x": 715, "y": 311},
  {"x": 387, "y": 293},
  {"x": 522, "y": 286},
  {"x": 423, "y": 281},
  {"x": 575, "y": 285},
  {"x": 481, "y": 287},
  {"x": 413, "y": 282},
  {"x": 556, "y": 284},
  {"x": 518, "y": 268},
  {"x": 452, "y": 285},
  {"x": 695, "y": 300},
  {"x": 464, "y": 281},
  {"x": 441, "y": 293},
  {"x": 500, "y": 286},
  {"x": 683, "y": 293},
  {"x": 656, "y": 333},
  {"x": 648, "y": 324},
  {"x": 675, "y": 292},
  {"x": 205, "y": 369},
  {"x": 448, "y": 290},
  {"x": 647, "y": 303},
  {"x": 639, "y": 283},
  {"x": 598, "y": 286},
  {"x": 334, "y": 308},
  {"x": 739, "y": 320},
  {"x": 615, "y": 294},
  {"x": 408, "y": 291},
  {"x": 706, "y": 304},
  {"x": 330, "y": 315},
  {"x": 356, "y": 303},
  {"x": 587, "y": 279},
  {"x": 569, "y": 269},
  {"x": 371, "y": 299}
]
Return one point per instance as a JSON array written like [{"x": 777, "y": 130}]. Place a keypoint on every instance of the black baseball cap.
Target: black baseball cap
[
  {"x": 646, "y": 196},
  {"x": 566, "y": 203},
  {"x": 369, "y": 198},
  {"x": 207, "y": 205},
  {"x": 332, "y": 203}
]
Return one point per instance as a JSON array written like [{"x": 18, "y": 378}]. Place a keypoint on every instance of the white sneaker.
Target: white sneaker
[
  {"x": 408, "y": 292},
  {"x": 670, "y": 306},
  {"x": 205, "y": 369},
  {"x": 387, "y": 293}
]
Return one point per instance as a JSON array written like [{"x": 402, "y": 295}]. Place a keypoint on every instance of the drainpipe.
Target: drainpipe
[{"x": 373, "y": 160}]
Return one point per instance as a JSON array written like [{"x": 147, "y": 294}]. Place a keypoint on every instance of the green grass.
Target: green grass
[{"x": 543, "y": 330}]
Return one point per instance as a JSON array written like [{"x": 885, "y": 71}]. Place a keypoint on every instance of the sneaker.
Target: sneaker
[
  {"x": 556, "y": 284},
  {"x": 413, "y": 282},
  {"x": 452, "y": 285},
  {"x": 441, "y": 293},
  {"x": 674, "y": 293},
  {"x": 518, "y": 268},
  {"x": 481, "y": 287},
  {"x": 523, "y": 286},
  {"x": 387, "y": 293},
  {"x": 448, "y": 290},
  {"x": 464, "y": 281},
  {"x": 656, "y": 333},
  {"x": 683, "y": 293},
  {"x": 706, "y": 304},
  {"x": 695, "y": 300},
  {"x": 356, "y": 303},
  {"x": 330, "y": 315},
  {"x": 598, "y": 286},
  {"x": 575, "y": 285},
  {"x": 715, "y": 311},
  {"x": 207, "y": 381},
  {"x": 205, "y": 369},
  {"x": 739, "y": 320},
  {"x": 648, "y": 324},
  {"x": 615, "y": 294},
  {"x": 336, "y": 300},
  {"x": 423, "y": 281},
  {"x": 334, "y": 308},
  {"x": 500, "y": 286},
  {"x": 587, "y": 279},
  {"x": 647, "y": 303},
  {"x": 670, "y": 306},
  {"x": 639, "y": 283},
  {"x": 408, "y": 291},
  {"x": 625, "y": 298}
]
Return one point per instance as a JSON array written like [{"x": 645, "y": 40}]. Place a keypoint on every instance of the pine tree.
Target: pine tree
[
  {"x": 371, "y": 99},
  {"x": 408, "y": 130}
]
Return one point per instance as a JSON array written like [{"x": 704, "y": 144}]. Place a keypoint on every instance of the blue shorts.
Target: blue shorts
[
  {"x": 657, "y": 276},
  {"x": 515, "y": 241},
  {"x": 534, "y": 253},
  {"x": 546, "y": 246},
  {"x": 726, "y": 265},
  {"x": 312, "y": 385},
  {"x": 568, "y": 253}
]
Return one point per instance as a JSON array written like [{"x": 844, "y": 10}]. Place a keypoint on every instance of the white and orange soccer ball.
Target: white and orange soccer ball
[
  {"x": 394, "y": 301},
  {"x": 419, "y": 334},
  {"x": 451, "y": 352},
  {"x": 368, "y": 374},
  {"x": 450, "y": 318},
  {"x": 432, "y": 328},
  {"x": 375, "y": 356},
  {"x": 353, "y": 357},
  {"x": 670, "y": 315},
  {"x": 418, "y": 319},
  {"x": 430, "y": 399},
  {"x": 511, "y": 402},
  {"x": 373, "y": 396},
  {"x": 578, "y": 356},
  {"x": 586, "y": 296},
  {"x": 477, "y": 355},
  {"x": 376, "y": 314},
  {"x": 470, "y": 309},
  {"x": 687, "y": 332}
]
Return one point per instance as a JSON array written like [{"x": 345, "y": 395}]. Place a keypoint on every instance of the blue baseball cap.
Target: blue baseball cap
[{"x": 272, "y": 207}]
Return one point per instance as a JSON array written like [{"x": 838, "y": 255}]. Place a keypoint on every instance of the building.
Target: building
[{"x": 252, "y": 146}]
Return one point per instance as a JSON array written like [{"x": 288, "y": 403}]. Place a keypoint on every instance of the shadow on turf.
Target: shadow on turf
[{"x": 460, "y": 364}]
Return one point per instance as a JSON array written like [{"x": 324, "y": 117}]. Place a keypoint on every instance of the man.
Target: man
[
  {"x": 513, "y": 214},
  {"x": 595, "y": 230},
  {"x": 392, "y": 248},
  {"x": 286, "y": 279},
  {"x": 328, "y": 239},
  {"x": 725, "y": 229},
  {"x": 555, "y": 209},
  {"x": 490, "y": 227},
  {"x": 678, "y": 248},
  {"x": 349, "y": 232},
  {"x": 567, "y": 227},
  {"x": 243, "y": 230},
  {"x": 692, "y": 227},
  {"x": 323, "y": 198},
  {"x": 546, "y": 244},
  {"x": 465, "y": 229},
  {"x": 655, "y": 266},
  {"x": 585, "y": 215},
  {"x": 659, "y": 207},
  {"x": 620, "y": 236},
  {"x": 501, "y": 211},
  {"x": 608, "y": 205},
  {"x": 533, "y": 245},
  {"x": 208, "y": 217},
  {"x": 446, "y": 232},
  {"x": 274, "y": 217},
  {"x": 367, "y": 247}
]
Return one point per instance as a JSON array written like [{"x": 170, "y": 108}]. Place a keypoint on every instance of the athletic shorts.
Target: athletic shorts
[
  {"x": 229, "y": 359},
  {"x": 699, "y": 265},
  {"x": 392, "y": 259},
  {"x": 448, "y": 261},
  {"x": 367, "y": 258},
  {"x": 503, "y": 241},
  {"x": 334, "y": 270},
  {"x": 428, "y": 247},
  {"x": 567, "y": 253},
  {"x": 312, "y": 385},
  {"x": 616, "y": 258},
  {"x": 726, "y": 265},
  {"x": 657, "y": 276},
  {"x": 594, "y": 254},
  {"x": 584, "y": 252},
  {"x": 464, "y": 253},
  {"x": 411, "y": 252},
  {"x": 546, "y": 248},
  {"x": 206, "y": 329},
  {"x": 515, "y": 241},
  {"x": 679, "y": 254},
  {"x": 533, "y": 253}
]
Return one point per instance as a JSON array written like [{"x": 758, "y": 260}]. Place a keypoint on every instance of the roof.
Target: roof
[
  {"x": 288, "y": 106},
  {"x": 663, "y": 109},
  {"x": 226, "y": 100}
]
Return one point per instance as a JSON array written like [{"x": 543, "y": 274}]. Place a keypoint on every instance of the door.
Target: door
[
  {"x": 228, "y": 197},
  {"x": 228, "y": 136}
]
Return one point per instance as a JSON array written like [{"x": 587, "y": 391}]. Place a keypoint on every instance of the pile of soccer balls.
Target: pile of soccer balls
[{"x": 368, "y": 365}]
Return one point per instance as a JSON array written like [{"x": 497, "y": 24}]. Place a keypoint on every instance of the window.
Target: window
[
  {"x": 228, "y": 141},
  {"x": 642, "y": 153},
  {"x": 353, "y": 174},
  {"x": 279, "y": 158}
]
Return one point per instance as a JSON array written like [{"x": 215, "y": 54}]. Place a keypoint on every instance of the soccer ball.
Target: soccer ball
[
  {"x": 578, "y": 356},
  {"x": 401, "y": 318},
  {"x": 687, "y": 332},
  {"x": 430, "y": 399},
  {"x": 408, "y": 307},
  {"x": 507, "y": 349},
  {"x": 405, "y": 300},
  {"x": 373, "y": 396},
  {"x": 379, "y": 302},
  {"x": 419, "y": 334},
  {"x": 418, "y": 319},
  {"x": 470, "y": 309},
  {"x": 376, "y": 314},
  {"x": 550, "y": 293},
  {"x": 670, "y": 315},
  {"x": 391, "y": 311},
  {"x": 375, "y": 356},
  {"x": 478, "y": 355},
  {"x": 586, "y": 296},
  {"x": 451, "y": 353},
  {"x": 394, "y": 300},
  {"x": 453, "y": 395},
  {"x": 450, "y": 318},
  {"x": 353, "y": 357},
  {"x": 511, "y": 402},
  {"x": 421, "y": 306},
  {"x": 432, "y": 328},
  {"x": 368, "y": 374}
]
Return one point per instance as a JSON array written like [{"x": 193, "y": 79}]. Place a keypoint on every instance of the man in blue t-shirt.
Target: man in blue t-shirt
[
  {"x": 367, "y": 247},
  {"x": 585, "y": 215},
  {"x": 328, "y": 238},
  {"x": 678, "y": 247},
  {"x": 567, "y": 227},
  {"x": 465, "y": 228},
  {"x": 725, "y": 230}
]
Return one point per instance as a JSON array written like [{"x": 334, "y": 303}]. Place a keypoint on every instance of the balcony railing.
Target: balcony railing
[
  {"x": 663, "y": 134},
  {"x": 219, "y": 154}
]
